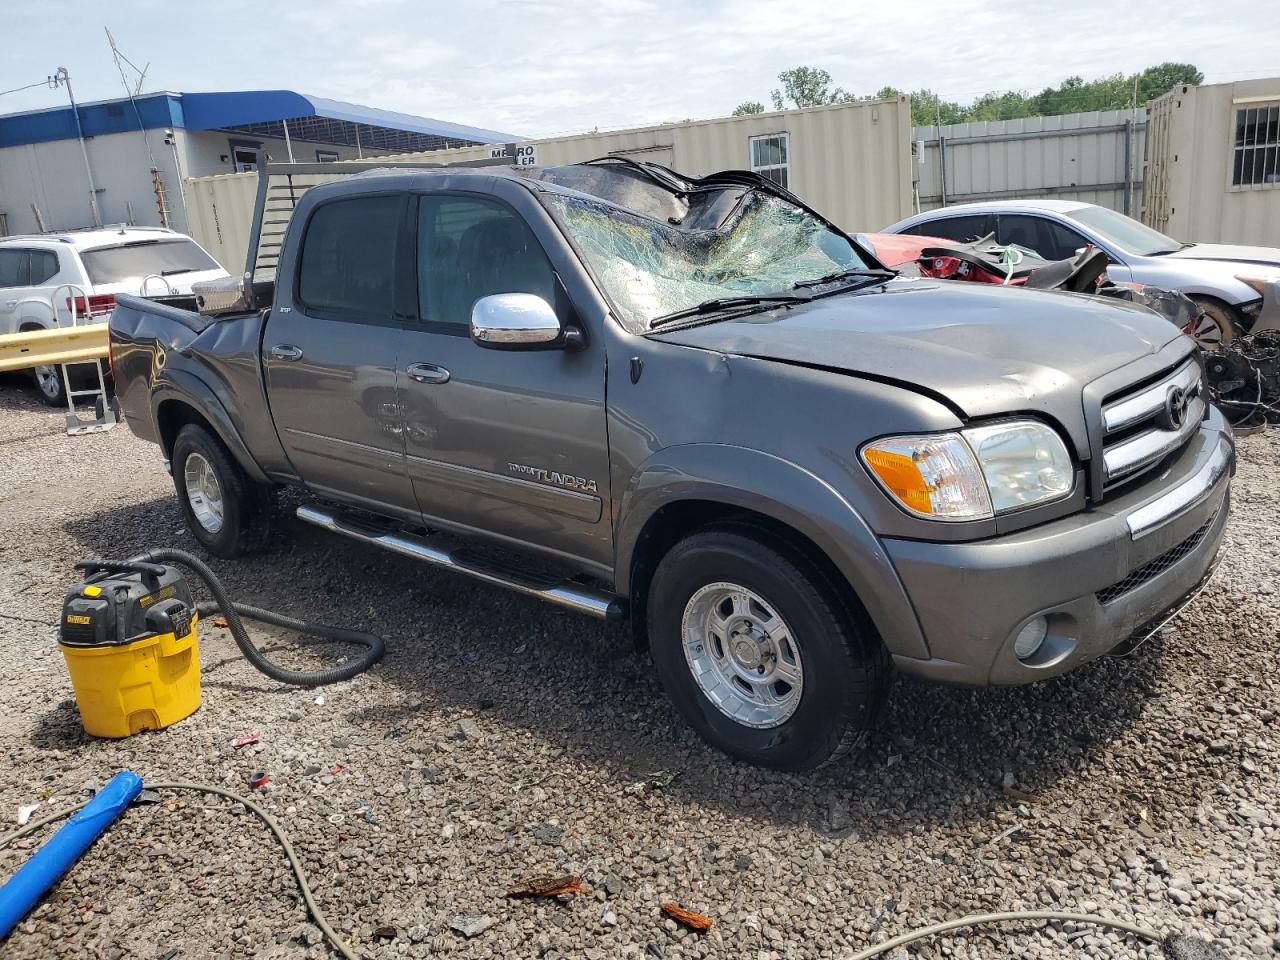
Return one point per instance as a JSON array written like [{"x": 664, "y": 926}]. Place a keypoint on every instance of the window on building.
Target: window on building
[
  {"x": 472, "y": 248},
  {"x": 771, "y": 157},
  {"x": 1257, "y": 147},
  {"x": 326, "y": 156},
  {"x": 244, "y": 156},
  {"x": 348, "y": 258}
]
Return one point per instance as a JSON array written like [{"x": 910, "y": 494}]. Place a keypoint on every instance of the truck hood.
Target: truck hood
[
  {"x": 980, "y": 348},
  {"x": 1261, "y": 256}
]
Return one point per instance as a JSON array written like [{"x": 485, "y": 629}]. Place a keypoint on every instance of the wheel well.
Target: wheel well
[
  {"x": 29, "y": 325},
  {"x": 172, "y": 416},
  {"x": 676, "y": 521}
]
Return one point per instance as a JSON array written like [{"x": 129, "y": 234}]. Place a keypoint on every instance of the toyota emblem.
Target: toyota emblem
[{"x": 1175, "y": 408}]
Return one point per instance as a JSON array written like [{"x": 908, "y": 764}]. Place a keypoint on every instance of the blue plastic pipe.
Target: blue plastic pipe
[{"x": 21, "y": 892}]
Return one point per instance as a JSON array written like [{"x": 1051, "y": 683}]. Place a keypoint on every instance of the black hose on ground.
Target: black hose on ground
[{"x": 234, "y": 611}]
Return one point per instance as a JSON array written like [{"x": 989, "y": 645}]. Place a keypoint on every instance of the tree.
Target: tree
[
  {"x": 748, "y": 107},
  {"x": 1009, "y": 105},
  {"x": 927, "y": 108},
  {"x": 807, "y": 87},
  {"x": 1163, "y": 77}
]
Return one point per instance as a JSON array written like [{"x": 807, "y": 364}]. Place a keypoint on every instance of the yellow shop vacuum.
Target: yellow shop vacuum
[{"x": 128, "y": 633}]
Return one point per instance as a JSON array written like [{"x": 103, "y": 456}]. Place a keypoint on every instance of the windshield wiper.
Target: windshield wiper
[
  {"x": 726, "y": 303},
  {"x": 845, "y": 274}
]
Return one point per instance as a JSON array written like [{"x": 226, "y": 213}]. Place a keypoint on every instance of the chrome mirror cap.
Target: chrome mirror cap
[{"x": 514, "y": 320}]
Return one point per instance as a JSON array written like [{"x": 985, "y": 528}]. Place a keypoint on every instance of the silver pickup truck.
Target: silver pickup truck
[{"x": 696, "y": 404}]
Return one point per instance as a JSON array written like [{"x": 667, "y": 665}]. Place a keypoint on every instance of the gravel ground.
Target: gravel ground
[{"x": 501, "y": 739}]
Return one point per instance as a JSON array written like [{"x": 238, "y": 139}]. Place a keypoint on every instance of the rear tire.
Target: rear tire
[
  {"x": 760, "y": 652},
  {"x": 227, "y": 512},
  {"x": 1218, "y": 327}
]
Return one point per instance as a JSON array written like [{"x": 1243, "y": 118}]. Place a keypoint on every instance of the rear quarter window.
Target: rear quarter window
[{"x": 960, "y": 229}]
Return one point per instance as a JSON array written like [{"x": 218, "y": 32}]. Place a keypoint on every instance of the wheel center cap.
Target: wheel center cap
[{"x": 746, "y": 651}]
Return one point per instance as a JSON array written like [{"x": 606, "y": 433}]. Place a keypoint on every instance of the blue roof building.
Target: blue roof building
[{"x": 140, "y": 150}]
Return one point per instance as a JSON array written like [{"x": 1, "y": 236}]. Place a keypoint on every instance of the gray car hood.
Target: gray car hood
[
  {"x": 985, "y": 349},
  {"x": 1263, "y": 256}
]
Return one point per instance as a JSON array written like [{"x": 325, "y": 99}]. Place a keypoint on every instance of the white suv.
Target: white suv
[{"x": 46, "y": 279}]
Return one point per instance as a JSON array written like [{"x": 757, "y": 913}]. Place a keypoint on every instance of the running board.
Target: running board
[{"x": 564, "y": 593}]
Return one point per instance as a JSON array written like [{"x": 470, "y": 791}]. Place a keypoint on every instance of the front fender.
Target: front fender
[
  {"x": 185, "y": 387},
  {"x": 741, "y": 477}
]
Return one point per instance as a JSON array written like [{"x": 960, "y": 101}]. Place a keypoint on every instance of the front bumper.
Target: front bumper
[{"x": 1098, "y": 576}]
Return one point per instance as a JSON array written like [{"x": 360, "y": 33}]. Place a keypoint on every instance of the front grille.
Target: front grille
[
  {"x": 1143, "y": 426},
  {"x": 1153, "y": 568}
]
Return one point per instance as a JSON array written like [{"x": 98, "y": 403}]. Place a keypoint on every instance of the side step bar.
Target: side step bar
[{"x": 565, "y": 593}]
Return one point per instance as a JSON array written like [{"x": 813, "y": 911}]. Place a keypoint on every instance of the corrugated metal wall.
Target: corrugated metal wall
[
  {"x": 851, "y": 161},
  {"x": 1077, "y": 156},
  {"x": 1190, "y": 159}
]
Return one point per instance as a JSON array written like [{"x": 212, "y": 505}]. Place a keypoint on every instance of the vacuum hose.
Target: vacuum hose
[{"x": 234, "y": 611}]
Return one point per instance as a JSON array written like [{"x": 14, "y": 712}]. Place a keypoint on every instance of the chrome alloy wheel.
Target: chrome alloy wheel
[
  {"x": 49, "y": 381},
  {"x": 742, "y": 655},
  {"x": 204, "y": 493}
]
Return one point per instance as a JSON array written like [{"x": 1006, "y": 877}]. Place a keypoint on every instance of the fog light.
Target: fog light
[{"x": 1030, "y": 638}]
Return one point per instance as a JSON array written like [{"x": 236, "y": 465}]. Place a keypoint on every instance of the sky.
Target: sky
[{"x": 544, "y": 67}]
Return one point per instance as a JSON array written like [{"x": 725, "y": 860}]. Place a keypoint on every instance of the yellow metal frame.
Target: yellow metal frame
[{"x": 38, "y": 348}]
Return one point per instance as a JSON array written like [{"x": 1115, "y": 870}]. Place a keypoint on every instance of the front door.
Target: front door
[
  {"x": 511, "y": 443},
  {"x": 330, "y": 351}
]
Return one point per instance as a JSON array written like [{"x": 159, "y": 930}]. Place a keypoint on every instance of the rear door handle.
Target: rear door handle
[
  {"x": 428, "y": 373},
  {"x": 286, "y": 351}
]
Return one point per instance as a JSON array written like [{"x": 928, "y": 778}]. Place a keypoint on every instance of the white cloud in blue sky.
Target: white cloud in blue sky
[{"x": 543, "y": 67}]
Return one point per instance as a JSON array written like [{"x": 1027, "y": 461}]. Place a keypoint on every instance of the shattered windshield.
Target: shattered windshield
[{"x": 650, "y": 269}]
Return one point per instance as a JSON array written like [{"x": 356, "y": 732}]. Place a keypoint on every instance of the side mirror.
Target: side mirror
[{"x": 520, "y": 321}]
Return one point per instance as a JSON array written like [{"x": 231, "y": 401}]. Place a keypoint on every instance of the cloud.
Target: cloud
[{"x": 544, "y": 67}]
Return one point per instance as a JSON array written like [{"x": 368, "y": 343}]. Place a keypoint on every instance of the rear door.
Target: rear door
[
  {"x": 511, "y": 443},
  {"x": 330, "y": 350}
]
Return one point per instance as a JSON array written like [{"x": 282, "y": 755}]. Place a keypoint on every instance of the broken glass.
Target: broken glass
[{"x": 649, "y": 268}]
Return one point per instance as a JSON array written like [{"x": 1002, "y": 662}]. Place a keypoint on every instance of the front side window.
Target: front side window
[
  {"x": 133, "y": 262},
  {"x": 1256, "y": 151},
  {"x": 770, "y": 157},
  {"x": 470, "y": 248},
  {"x": 347, "y": 268},
  {"x": 1050, "y": 240},
  {"x": 650, "y": 268}
]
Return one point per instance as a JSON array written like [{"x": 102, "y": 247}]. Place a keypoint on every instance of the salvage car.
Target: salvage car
[
  {"x": 56, "y": 279},
  {"x": 695, "y": 404},
  {"x": 1226, "y": 281}
]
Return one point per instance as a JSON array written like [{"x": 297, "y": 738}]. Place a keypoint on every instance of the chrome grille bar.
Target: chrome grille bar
[
  {"x": 1149, "y": 402},
  {"x": 1146, "y": 448}
]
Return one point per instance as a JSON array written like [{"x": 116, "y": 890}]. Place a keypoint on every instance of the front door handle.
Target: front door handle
[
  {"x": 428, "y": 373},
  {"x": 286, "y": 351}
]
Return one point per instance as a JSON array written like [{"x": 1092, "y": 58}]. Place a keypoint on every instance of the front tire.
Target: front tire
[
  {"x": 760, "y": 652},
  {"x": 1217, "y": 327},
  {"x": 51, "y": 385},
  {"x": 224, "y": 509}
]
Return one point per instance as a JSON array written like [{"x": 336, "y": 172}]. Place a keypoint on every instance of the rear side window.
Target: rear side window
[
  {"x": 959, "y": 229},
  {"x": 133, "y": 262},
  {"x": 348, "y": 261},
  {"x": 13, "y": 268},
  {"x": 470, "y": 248},
  {"x": 44, "y": 266}
]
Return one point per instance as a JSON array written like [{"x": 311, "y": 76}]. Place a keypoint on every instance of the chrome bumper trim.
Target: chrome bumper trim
[{"x": 1180, "y": 499}]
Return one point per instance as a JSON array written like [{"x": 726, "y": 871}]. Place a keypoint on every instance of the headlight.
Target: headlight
[
  {"x": 973, "y": 474},
  {"x": 1025, "y": 462}
]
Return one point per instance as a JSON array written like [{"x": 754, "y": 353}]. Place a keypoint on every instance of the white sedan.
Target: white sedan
[{"x": 1228, "y": 282}]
